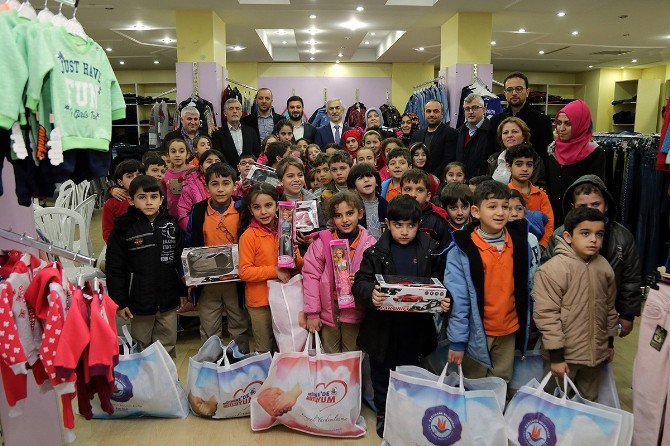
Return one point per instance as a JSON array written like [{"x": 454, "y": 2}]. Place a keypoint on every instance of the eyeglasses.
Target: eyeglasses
[
  {"x": 518, "y": 89},
  {"x": 229, "y": 236},
  {"x": 246, "y": 163},
  {"x": 474, "y": 108}
]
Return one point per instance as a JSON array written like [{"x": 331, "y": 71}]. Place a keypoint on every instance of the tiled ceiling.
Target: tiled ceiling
[{"x": 626, "y": 29}]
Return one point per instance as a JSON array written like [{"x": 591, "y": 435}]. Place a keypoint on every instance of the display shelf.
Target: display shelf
[
  {"x": 130, "y": 133},
  {"x": 645, "y": 107},
  {"x": 569, "y": 91}
]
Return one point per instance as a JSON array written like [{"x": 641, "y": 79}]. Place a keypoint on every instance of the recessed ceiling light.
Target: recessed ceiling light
[
  {"x": 284, "y": 42},
  {"x": 541, "y": 51},
  {"x": 337, "y": 61},
  {"x": 281, "y": 32},
  {"x": 237, "y": 48},
  {"x": 312, "y": 50},
  {"x": 373, "y": 34},
  {"x": 622, "y": 68},
  {"x": 367, "y": 42},
  {"x": 360, "y": 9},
  {"x": 574, "y": 33},
  {"x": 312, "y": 42},
  {"x": 108, "y": 49},
  {"x": 352, "y": 25},
  {"x": 634, "y": 60},
  {"x": 493, "y": 42},
  {"x": 312, "y": 30},
  {"x": 311, "y": 58},
  {"x": 419, "y": 48},
  {"x": 561, "y": 13},
  {"x": 340, "y": 55},
  {"x": 156, "y": 62},
  {"x": 167, "y": 40},
  {"x": 313, "y": 16},
  {"x": 121, "y": 62},
  {"x": 590, "y": 66},
  {"x": 522, "y": 30}
]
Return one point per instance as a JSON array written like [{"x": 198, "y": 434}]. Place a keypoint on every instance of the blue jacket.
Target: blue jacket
[
  {"x": 464, "y": 278},
  {"x": 536, "y": 222}
]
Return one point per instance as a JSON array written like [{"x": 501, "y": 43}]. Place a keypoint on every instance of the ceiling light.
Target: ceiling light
[
  {"x": 312, "y": 42},
  {"x": 352, "y": 25},
  {"x": 313, "y": 16},
  {"x": 340, "y": 55},
  {"x": 541, "y": 51},
  {"x": 108, "y": 49},
  {"x": 312, "y": 50},
  {"x": 284, "y": 42},
  {"x": 367, "y": 42},
  {"x": 237, "y": 48},
  {"x": 360, "y": 9},
  {"x": 167, "y": 40},
  {"x": 590, "y": 66},
  {"x": 373, "y": 34},
  {"x": 522, "y": 30},
  {"x": 156, "y": 62},
  {"x": 574, "y": 33},
  {"x": 281, "y": 32},
  {"x": 419, "y": 48},
  {"x": 311, "y": 58},
  {"x": 337, "y": 61},
  {"x": 634, "y": 60},
  {"x": 622, "y": 68},
  {"x": 312, "y": 30},
  {"x": 121, "y": 62},
  {"x": 493, "y": 42},
  {"x": 561, "y": 14}
]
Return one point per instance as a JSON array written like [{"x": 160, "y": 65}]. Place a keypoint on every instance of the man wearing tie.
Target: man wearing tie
[{"x": 335, "y": 128}]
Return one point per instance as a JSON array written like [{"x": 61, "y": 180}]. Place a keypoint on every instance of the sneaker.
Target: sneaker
[{"x": 380, "y": 425}]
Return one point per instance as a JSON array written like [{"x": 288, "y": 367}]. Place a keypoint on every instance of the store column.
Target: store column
[{"x": 465, "y": 42}]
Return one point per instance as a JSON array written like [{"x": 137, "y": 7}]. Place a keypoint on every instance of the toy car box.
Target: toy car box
[
  {"x": 210, "y": 264},
  {"x": 411, "y": 294}
]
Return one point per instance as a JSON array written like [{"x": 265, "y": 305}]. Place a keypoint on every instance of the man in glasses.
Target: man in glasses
[
  {"x": 516, "y": 94},
  {"x": 472, "y": 148}
]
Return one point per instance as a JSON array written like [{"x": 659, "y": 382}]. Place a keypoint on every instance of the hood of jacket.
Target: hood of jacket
[
  {"x": 600, "y": 184},
  {"x": 563, "y": 249},
  {"x": 536, "y": 221},
  {"x": 195, "y": 177}
]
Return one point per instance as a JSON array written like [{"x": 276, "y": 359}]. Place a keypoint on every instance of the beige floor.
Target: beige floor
[{"x": 198, "y": 431}]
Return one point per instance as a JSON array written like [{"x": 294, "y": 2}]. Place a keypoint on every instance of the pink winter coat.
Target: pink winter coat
[
  {"x": 319, "y": 282},
  {"x": 193, "y": 191}
]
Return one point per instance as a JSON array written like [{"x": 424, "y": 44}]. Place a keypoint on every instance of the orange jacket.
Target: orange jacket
[
  {"x": 538, "y": 200},
  {"x": 259, "y": 250}
]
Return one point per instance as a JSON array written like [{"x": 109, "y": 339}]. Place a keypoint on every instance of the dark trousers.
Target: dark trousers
[{"x": 380, "y": 374}]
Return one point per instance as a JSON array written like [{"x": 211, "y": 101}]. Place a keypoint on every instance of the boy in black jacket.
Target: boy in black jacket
[
  {"x": 390, "y": 338},
  {"x": 143, "y": 265}
]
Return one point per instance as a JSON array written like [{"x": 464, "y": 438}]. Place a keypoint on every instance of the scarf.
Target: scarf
[{"x": 580, "y": 145}]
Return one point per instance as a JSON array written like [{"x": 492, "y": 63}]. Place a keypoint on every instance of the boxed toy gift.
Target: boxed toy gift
[
  {"x": 339, "y": 251},
  {"x": 306, "y": 216},
  {"x": 210, "y": 264},
  {"x": 286, "y": 229},
  {"x": 411, "y": 294},
  {"x": 260, "y": 173}
]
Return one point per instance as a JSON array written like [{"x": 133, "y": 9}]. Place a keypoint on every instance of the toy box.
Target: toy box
[
  {"x": 339, "y": 253},
  {"x": 286, "y": 228},
  {"x": 260, "y": 173},
  {"x": 411, "y": 294},
  {"x": 210, "y": 264}
]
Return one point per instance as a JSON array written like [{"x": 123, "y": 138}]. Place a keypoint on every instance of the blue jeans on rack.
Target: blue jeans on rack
[{"x": 648, "y": 216}]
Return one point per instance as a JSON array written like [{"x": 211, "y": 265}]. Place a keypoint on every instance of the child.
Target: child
[
  {"x": 154, "y": 166},
  {"x": 399, "y": 162},
  {"x": 323, "y": 176},
  {"x": 312, "y": 152},
  {"x": 124, "y": 174},
  {"x": 142, "y": 266},
  {"x": 456, "y": 199},
  {"x": 302, "y": 145},
  {"x": 339, "y": 163},
  {"x": 476, "y": 181},
  {"x": 259, "y": 251},
  {"x": 243, "y": 167},
  {"x": 536, "y": 221},
  {"x": 215, "y": 221},
  {"x": 364, "y": 179},
  {"x": 201, "y": 144},
  {"x": 574, "y": 303},
  {"x": 265, "y": 144},
  {"x": 195, "y": 188},
  {"x": 365, "y": 155},
  {"x": 521, "y": 161},
  {"x": 331, "y": 148},
  {"x": 174, "y": 176},
  {"x": 393, "y": 338},
  {"x": 276, "y": 151},
  {"x": 415, "y": 183},
  {"x": 352, "y": 141},
  {"x": 372, "y": 140},
  {"x": 488, "y": 277},
  {"x": 339, "y": 327},
  {"x": 387, "y": 145},
  {"x": 420, "y": 156},
  {"x": 312, "y": 183},
  {"x": 454, "y": 173}
]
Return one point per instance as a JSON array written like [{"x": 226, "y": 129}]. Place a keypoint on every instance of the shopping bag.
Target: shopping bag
[
  {"x": 312, "y": 392},
  {"x": 145, "y": 384},
  {"x": 219, "y": 389},
  {"x": 527, "y": 367},
  {"x": 286, "y": 305},
  {"x": 535, "y": 417},
  {"x": 421, "y": 409},
  {"x": 608, "y": 394}
]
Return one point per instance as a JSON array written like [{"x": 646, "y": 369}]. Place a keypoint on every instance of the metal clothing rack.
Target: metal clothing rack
[
  {"x": 232, "y": 81},
  {"x": 617, "y": 135},
  {"x": 475, "y": 77},
  {"x": 437, "y": 79},
  {"x": 49, "y": 248},
  {"x": 171, "y": 90}
]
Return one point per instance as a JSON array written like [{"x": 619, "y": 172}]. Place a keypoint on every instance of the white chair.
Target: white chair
[
  {"x": 66, "y": 195},
  {"x": 85, "y": 208},
  {"x": 81, "y": 192},
  {"x": 67, "y": 229}
]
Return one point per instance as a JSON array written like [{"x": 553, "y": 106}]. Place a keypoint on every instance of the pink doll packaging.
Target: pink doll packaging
[
  {"x": 339, "y": 251},
  {"x": 286, "y": 233}
]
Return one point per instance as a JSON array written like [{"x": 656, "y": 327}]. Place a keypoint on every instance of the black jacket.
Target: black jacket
[
  {"x": 309, "y": 134},
  {"x": 442, "y": 148},
  {"x": 539, "y": 124},
  {"x": 618, "y": 248},
  {"x": 435, "y": 227},
  {"x": 475, "y": 155},
  {"x": 560, "y": 178},
  {"x": 377, "y": 326},
  {"x": 143, "y": 262},
  {"x": 252, "y": 121},
  {"x": 222, "y": 141}
]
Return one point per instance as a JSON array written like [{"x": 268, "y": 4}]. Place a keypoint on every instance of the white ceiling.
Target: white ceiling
[{"x": 644, "y": 34}]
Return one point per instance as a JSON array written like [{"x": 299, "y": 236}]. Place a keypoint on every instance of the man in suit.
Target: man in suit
[
  {"x": 472, "y": 148},
  {"x": 233, "y": 138},
  {"x": 335, "y": 128},
  {"x": 265, "y": 119},
  {"x": 301, "y": 129},
  {"x": 438, "y": 137}
]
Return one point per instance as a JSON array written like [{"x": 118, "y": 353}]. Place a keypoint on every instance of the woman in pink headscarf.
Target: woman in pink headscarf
[{"x": 572, "y": 154}]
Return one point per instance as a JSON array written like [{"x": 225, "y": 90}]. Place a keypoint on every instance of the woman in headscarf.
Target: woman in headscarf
[
  {"x": 375, "y": 121},
  {"x": 408, "y": 126},
  {"x": 572, "y": 154}
]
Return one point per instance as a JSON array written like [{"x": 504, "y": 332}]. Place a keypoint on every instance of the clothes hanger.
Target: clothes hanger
[
  {"x": 45, "y": 15},
  {"x": 13, "y": 4},
  {"x": 74, "y": 27},
  {"x": 27, "y": 11},
  {"x": 59, "y": 19}
]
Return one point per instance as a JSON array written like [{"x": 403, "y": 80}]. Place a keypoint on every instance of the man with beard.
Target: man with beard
[
  {"x": 301, "y": 129},
  {"x": 263, "y": 121},
  {"x": 190, "y": 124},
  {"x": 540, "y": 125},
  {"x": 438, "y": 137}
]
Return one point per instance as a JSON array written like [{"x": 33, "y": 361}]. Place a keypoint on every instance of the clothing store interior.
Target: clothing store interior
[{"x": 396, "y": 222}]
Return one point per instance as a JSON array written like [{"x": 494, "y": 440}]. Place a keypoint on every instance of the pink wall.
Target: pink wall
[{"x": 372, "y": 90}]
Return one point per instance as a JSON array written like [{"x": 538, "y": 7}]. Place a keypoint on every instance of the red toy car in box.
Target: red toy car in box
[{"x": 411, "y": 294}]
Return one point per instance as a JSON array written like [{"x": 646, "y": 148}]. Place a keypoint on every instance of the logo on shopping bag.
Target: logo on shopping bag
[
  {"x": 441, "y": 426},
  {"x": 536, "y": 429},
  {"x": 327, "y": 395},
  {"x": 123, "y": 388},
  {"x": 243, "y": 396}
]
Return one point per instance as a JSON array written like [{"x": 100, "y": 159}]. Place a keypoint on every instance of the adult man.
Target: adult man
[
  {"x": 301, "y": 129},
  {"x": 472, "y": 146},
  {"x": 233, "y": 138},
  {"x": 439, "y": 138},
  {"x": 263, "y": 121},
  {"x": 190, "y": 124},
  {"x": 335, "y": 128},
  {"x": 516, "y": 93}
]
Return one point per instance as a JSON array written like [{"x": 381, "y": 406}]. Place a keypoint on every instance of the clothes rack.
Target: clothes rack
[
  {"x": 437, "y": 79},
  {"x": 233, "y": 81},
  {"x": 49, "y": 248},
  {"x": 171, "y": 90}
]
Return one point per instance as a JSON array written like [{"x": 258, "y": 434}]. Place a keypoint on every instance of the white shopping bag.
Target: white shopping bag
[
  {"x": 608, "y": 394},
  {"x": 312, "y": 392},
  {"x": 527, "y": 367},
  {"x": 146, "y": 384},
  {"x": 224, "y": 391},
  {"x": 421, "y": 409},
  {"x": 287, "y": 305},
  {"x": 536, "y": 417}
]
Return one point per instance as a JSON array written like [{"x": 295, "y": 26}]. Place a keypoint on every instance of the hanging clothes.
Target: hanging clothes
[
  {"x": 418, "y": 100},
  {"x": 206, "y": 109},
  {"x": 491, "y": 101},
  {"x": 159, "y": 123},
  {"x": 355, "y": 116},
  {"x": 391, "y": 115},
  {"x": 663, "y": 158},
  {"x": 320, "y": 117}
]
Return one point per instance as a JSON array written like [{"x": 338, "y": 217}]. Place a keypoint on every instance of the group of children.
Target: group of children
[{"x": 483, "y": 239}]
